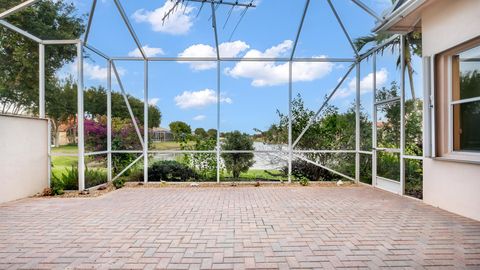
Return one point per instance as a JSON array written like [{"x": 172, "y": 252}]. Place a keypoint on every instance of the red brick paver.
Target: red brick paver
[{"x": 236, "y": 228}]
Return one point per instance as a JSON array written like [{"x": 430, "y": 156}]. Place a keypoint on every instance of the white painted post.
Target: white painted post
[
  {"x": 402, "y": 116},
  {"x": 357, "y": 125},
  {"x": 109, "y": 121},
  {"x": 145, "y": 123},
  {"x": 80, "y": 117},
  {"x": 374, "y": 121},
  {"x": 218, "y": 121},
  {"x": 290, "y": 147},
  {"x": 41, "y": 80}
]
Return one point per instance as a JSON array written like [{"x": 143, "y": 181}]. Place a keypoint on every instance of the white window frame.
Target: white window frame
[{"x": 473, "y": 156}]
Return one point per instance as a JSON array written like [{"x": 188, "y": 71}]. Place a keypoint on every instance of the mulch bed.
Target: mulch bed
[{"x": 108, "y": 187}]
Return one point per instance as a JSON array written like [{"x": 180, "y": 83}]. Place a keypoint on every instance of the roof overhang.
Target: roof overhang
[{"x": 403, "y": 19}]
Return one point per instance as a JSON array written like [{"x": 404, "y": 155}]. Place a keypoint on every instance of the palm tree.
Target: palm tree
[{"x": 412, "y": 46}]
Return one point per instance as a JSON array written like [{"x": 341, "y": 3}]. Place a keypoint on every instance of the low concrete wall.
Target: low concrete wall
[
  {"x": 23, "y": 157},
  {"x": 452, "y": 186}
]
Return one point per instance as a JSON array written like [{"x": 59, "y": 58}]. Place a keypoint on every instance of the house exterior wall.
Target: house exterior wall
[
  {"x": 23, "y": 157},
  {"x": 453, "y": 186}
]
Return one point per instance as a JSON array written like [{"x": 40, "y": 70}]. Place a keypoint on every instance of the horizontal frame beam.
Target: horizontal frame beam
[
  {"x": 387, "y": 101},
  {"x": 236, "y": 59},
  {"x": 325, "y": 151},
  {"x": 61, "y": 42},
  {"x": 221, "y": 2}
]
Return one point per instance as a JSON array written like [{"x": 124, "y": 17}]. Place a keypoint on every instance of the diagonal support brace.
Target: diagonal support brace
[
  {"x": 128, "y": 104},
  {"x": 312, "y": 120}
]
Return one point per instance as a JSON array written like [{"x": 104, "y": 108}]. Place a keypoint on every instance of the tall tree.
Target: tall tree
[
  {"x": 19, "y": 56},
  {"x": 180, "y": 130},
  {"x": 200, "y": 133}
]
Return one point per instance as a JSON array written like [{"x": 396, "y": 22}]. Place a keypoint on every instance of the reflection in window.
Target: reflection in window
[{"x": 466, "y": 102}]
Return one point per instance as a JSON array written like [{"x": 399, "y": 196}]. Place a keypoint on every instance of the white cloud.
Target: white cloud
[
  {"x": 149, "y": 51},
  {"x": 198, "y": 99},
  {"x": 178, "y": 22},
  {"x": 270, "y": 73},
  {"x": 366, "y": 84},
  {"x": 153, "y": 101},
  {"x": 200, "y": 117},
  {"x": 232, "y": 49},
  {"x": 227, "y": 49},
  {"x": 199, "y": 50},
  {"x": 90, "y": 71}
]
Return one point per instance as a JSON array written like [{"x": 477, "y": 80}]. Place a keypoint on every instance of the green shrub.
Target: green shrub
[
  {"x": 94, "y": 177},
  {"x": 170, "y": 170},
  {"x": 135, "y": 175},
  {"x": 237, "y": 163},
  {"x": 302, "y": 169},
  {"x": 57, "y": 186},
  {"x": 69, "y": 178},
  {"x": 205, "y": 164},
  {"x": 304, "y": 181},
  {"x": 118, "y": 183}
]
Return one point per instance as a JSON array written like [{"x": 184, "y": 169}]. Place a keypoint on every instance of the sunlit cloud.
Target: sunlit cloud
[
  {"x": 271, "y": 73},
  {"x": 199, "y": 99},
  {"x": 178, "y": 22}
]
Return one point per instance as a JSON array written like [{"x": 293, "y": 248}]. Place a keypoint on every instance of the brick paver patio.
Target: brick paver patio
[{"x": 235, "y": 228}]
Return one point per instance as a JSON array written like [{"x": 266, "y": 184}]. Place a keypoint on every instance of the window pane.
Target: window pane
[
  {"x": 466, "y": 74},
  {"x": 466, "y": 119}
]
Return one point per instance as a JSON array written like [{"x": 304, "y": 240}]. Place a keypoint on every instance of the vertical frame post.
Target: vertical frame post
[
  {"x": 217, "y": 49},
  {"x": 357, "y": 123},
  {"x": 80, "y": 118},
  {"x": 402, "y": 115},
  {"x": 218, "y": 121},
  {"x": 374, "y": 121},
  {"x": 290, "y": 147},
  {"x": 41, "y": 80},
  {"x": 109, "y": 121},
  {"x": 145, "y": 123},
  {"x": 49, "y": 152}
]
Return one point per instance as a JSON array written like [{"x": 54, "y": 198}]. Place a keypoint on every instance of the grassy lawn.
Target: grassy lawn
[
  {"x": 61, "y": 163},
  {"x": 167, "y": 145},
  {"x": 271, "y": 175}
]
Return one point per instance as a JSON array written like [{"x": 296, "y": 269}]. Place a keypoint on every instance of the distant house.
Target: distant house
[
  {"x": 160, "y": 134},
  {"x": 66, "y": 133}
]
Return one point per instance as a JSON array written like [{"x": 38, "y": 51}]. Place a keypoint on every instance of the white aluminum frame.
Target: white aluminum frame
[{"x": 145, "y": 152}]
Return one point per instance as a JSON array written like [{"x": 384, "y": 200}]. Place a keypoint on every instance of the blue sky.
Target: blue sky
[{"x": 251, "y": 92}]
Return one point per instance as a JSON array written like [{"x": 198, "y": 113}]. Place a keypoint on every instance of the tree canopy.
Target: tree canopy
[
  {"x": 19, "y": 55},
  {"x": 180, "y": 130}
]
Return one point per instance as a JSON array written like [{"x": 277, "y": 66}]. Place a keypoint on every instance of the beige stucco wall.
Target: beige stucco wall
[
  {"x": 452, "y": 186},
  {"x": 23, "y": 157},
  {"x": 446, "y": 23}
]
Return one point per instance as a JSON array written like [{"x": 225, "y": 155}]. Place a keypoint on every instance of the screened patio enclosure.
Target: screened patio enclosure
[{"x": 378, "y": 151}]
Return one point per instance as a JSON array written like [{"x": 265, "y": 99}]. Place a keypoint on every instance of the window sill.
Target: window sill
[{"x": 461, "y": 157}]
